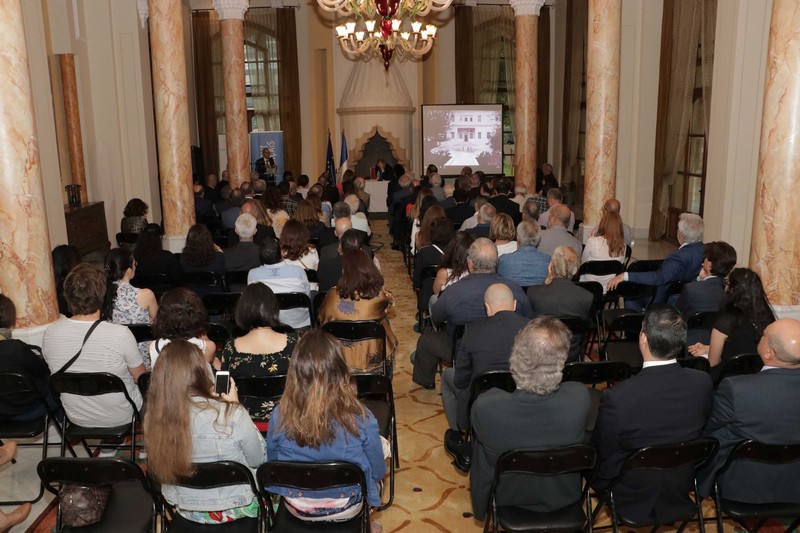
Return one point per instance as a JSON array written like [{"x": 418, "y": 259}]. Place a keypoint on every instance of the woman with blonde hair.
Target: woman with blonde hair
[
  {"x": 187, "y": 422},
  {"x": 607, "y": 243},
  {"x": 320, "y": 419},
  {"x": 503, "y": 233}
]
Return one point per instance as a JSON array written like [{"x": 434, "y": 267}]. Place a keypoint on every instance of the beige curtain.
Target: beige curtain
[
  {"x": 577, "y": 15},
  {"x": 493, "y": 41},
  {"x": 465, "y": 34},
  {"x": 707, "y": 35},
  {"x": 261, "y": 55}
]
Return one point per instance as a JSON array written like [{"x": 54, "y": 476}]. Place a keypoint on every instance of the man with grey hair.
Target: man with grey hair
[
  {"x": 247, "y": 189},
  {"x": 520, "y": 195},
  {"x": 486, "y": 214},
  {"x": 542, "y": 413},
  {"x": 681, "y": 265},
  {"x": 526, "y": 266},
  {"x": 460, "y": 304},
  {"x": 530, "y": 210},
  {"x": 485, "y": 346},
  {"x": 556, "y": 234},
  {"x": 244, "y": 254},
  {"x": 259, "y": 187},
  {"x": 448, "y": 189},
  {"x": 555, "y": 197},
  {"x": 472, "y": 221}
]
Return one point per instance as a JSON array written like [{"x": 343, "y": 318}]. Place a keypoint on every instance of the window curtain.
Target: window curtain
[
  {"x": 543, "y": 85},
  {"x": 690, "y": 20},
  {"x": 261, "y": 54},
  {"x": 577, "y": 30},
  {"x": 464, "y": 28},
  {"x": 203, "y": 27},
  {"x": 289, "y": 89}
]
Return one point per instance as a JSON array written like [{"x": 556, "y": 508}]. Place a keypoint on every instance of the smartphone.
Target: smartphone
[{"x": 222, "y": 383}]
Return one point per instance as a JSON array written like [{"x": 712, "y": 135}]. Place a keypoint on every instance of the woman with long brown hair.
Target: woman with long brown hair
[
  {"x": 320, "y": 419},
  {"x": 295, "y": 248},
  {"x": 200, "y": 253},
  {"x": 359, "y": 295},
  {"x": 607, "y": 243},
  {"x": 186, "y": 422}
]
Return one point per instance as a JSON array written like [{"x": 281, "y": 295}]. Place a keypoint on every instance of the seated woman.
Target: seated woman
[
  {"x": 107, "y": 348},
  {"x": 151, "y": 258},
  {"x": 295, "y": 249},
  {"x": 323, "y": 206},
  {"x": 425, "y": 201},
  {"x": 742, "y": 319},
  {"x": 263, "y": 350},
  {"x": 320, "y": 419},
  {"x": 65, "y": 258},
  {"x": 16, "y": 356},
  {"x": 200, "y": 253},
  {"x": 453, "y": 265},
  {"x": 274, "y": 203},
  {"x": 308, "y": 215},
  {"x": 437, "y": 235},
  {"x": 503, "y": 233},
  {"x": 607, "y": 243},
  {"x": 186, "y": 422},
  {"x": 135, "y": 216},
  {"x": 181, "y": 316},
  {"x": 359, "y": 295}
]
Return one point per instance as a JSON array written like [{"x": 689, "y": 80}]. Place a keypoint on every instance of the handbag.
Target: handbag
[{"x": 82, "y": 506}]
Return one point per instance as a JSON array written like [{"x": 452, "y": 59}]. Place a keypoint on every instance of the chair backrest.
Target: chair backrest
[
  {"x": 267, "y": 388},
  {"x": 597, "y": 291},
  {"x": 355, "y": 330},
  {"x": 594, "y": 373},
  {"x": 218, "y": 333},
  {"x": 628, "y": 254},
  {"x": 294, "y": 300},
  {"x": 16, "y": 382},
  {"x": 221, "y": 303},
  {"x": 201, "y": 279},
  {"x": 90, "y": 384},
  {"x": 235, "y": 278},
  {"x": 629, "y": 290},
  {"x": 219, "y": 474},
  {"x": 126, "y": 240},
  {"x": 310, "y": 476},
  {"x": 601, "y": 268},
  {"x": 316, "y": 304},
  {"x": 627, "y": 322},
  {"x": 697, "y": 363},
  {"x": 670, "y": 456},
  {"x": 645, "y": 265},
  {"x": 702, "y": 320},
  {"x": 88, "y": 472},
  {"x": 553, "y": 462},
  {"x": 152, "y": 281},
  {"x": 373, "y": 386},
  {"x": 675, "y": 288},
  {"x": 142, "y": 332},
  {"x": 773, "y": 454},
  {"x": 455, "y": 339},
  {"x": 578, "y": 327},
  {"x": 311, "y": 275},
  {"x": 493, "y": 379},
  {"x": 746, "y": 363},
  {"x": 426, "y": 279}
]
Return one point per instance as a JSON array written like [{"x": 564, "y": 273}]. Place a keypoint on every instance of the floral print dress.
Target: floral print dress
[{"x": 128, "y": 311}]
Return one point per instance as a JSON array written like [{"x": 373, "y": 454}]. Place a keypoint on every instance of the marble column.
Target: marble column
[
  {"x": 26, "y": 273},
  {"x": 69, "y": 86},
  {"x": 776, "y": 218},
  {"x": 172, "y": 119},
  {"x": 602, "y": 106},
  {"x": 526, "y": 22},
  {"x": 231, "y": 14}
]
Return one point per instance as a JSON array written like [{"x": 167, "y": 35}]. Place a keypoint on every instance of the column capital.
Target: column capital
[
  {"x": 527, "y": 7},
  {"x": 231, "y": 9}
]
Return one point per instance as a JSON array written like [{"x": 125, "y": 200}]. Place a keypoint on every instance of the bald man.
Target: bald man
[
  {"x": 486, "y": 346},
  {"x": 763, "y": 407}
]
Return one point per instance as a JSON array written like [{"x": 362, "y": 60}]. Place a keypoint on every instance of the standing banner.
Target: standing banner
[{"x": 273, "y": 140}]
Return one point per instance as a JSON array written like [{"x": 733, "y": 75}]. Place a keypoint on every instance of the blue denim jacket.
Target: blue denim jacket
[
  {"x": 216, "y": 439},
  {"x": 363, "y": 450}
]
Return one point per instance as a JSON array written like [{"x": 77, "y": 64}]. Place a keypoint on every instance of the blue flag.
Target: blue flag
[
  {"x": 343, "y": 156},
  {"x": 330, "y": 166}
]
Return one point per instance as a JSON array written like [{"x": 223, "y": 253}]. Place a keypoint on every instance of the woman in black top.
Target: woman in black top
[
  {"x": 151, "y": 258},
  {"x": 200, "y": 253}
]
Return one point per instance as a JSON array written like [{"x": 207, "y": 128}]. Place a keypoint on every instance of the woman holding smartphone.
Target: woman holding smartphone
[{"x": 187, "y": 422}]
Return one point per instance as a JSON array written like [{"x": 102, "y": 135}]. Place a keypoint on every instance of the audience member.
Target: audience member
[
  {"x": 461, "y": 209},
  {"x": 526, "y": 266},
  {"x": 454, "y": 264},
  {"x": 302, "y": 185},
  {"x": 181, "y": 316},
  {"x": 554, "y": 197},
  {"x": 264, "y": 229},
  {"x": 423, "y": 236},
  {"x": 211, "y": 189},
  {"x": 104, "y": 347},
  {"x": 330, "y": 268},
  {"x": 472, "y": 221},
  {"x": 273, "y": 201},
  {"x": 134, "y": 216},
  {"x": 244, "y": 254},
  {"x": 200, "y": 253},
  {"x": 556, "y": 233},
  {"x": 607, "y": 243},
  {"x": 504, "y": 421},
  {"x": 187, "y": 422},
  {"x": 448, "y": 189},
  {"x": 461, "y": 304},
  {"x": 760, "y": 407},
  {"x": 435, "y": 181},
  {"x": 224, "y": 203},
  {"x": 530, "y": 211},
  {"x": 437, "y": 233},
  {"x": 707, "y": 293},
  {"x": 503, "y": 233},
  {"x": 486, "y": 214},
  {"x": 307, "y": 214},
  {"x": 203, "y": 208},
  {"x": 360, "y": 184},
  {"x": 612, "y": 205},
  {"x": 230, "y": 215},
  {"x": 502, "y": 203},
  {"x": 295, "y": 248},
  {"x": 681, "y": 265},
  {"x": 282, "y": 277},
  {"x": 520, "y": 196},
  {"x": 663, "y": 404},
  {"x": 151, "y": 258},
  {"x": 65, "y": 258},
  {"x": 357, "y": 218}
]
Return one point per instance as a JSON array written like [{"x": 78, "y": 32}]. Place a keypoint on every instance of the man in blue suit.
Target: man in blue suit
[
  {"x": 707, "y": 292},
  {"x": 681, "y": 265}
]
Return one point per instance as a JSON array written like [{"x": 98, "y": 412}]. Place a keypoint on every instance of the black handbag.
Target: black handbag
[{"x": 82, "y": 506}]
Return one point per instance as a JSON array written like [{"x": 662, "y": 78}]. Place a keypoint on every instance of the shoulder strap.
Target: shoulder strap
[{"x": 75, "y": 357}]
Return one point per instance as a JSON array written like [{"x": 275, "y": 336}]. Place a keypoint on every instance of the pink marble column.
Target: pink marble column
[
  {"x": 231, "y": 14},
  {"x": 526, "y": 23},
  {"x": 26, "y": 272},
  {"x": 776, "y": 219},
  {"x": 602, "y": 106},
  {"x": 69, "y": 86},
  {"x": 172, "y": 119}
]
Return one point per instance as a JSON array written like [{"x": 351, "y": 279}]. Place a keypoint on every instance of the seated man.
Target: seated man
[
  {"x": 555, "y": 197},
  {"x": 681, "y": 265},
  {"x": 486, "y": 346},
  {"x": 244, "y": 254},
  {"x": 263, "y": 232},
  {"x": 486, "y": 214},
  {"x": 526, "y": 266},
  {"x": 461, "y": 211},
  {"x": 664, "y": 404},
  {"x": 556, "y": 234},
  {"x": 762, "y": 407},
  {"x": 707, "y": 292},
  {"x": 459, "y": 304},
  {"x": 282, "y": 278},
  {"x": 330, "y": 268},
  {"x": 502, "y": 203},
  {"x": 542, "y": 413},
  {"x": 558, "y": 295},
  {"x": 472, "y": 221}
]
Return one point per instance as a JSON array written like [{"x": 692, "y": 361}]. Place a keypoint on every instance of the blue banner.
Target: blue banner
[{"x": 273, "y": 140}]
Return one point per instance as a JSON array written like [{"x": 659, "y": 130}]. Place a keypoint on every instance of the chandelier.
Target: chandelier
[{"x": 384, "y": 27}]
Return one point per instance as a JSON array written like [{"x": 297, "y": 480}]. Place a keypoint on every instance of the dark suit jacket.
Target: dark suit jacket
[
  {"x": 503, "y": 204},
  {"x": 701, "y": 296},
  {"x": 481, "y": 230},
  {"x": 460, "y": 213},
  {"x": 681, "y": 265},
  {"x": 560, "y": 298},
  {"x": 242, "y": 256},
  {"x": 503, "y": 421},
  {"x": 763, "y": 407},
  {"x": 262, "y": 233},
  {"x": 447, "y": 203},
  {"x": 661, "y": 405},
  {"x": 328, "y": 272}
]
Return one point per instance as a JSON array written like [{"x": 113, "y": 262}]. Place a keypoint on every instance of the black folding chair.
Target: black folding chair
[
  {"x": 236, "y": 280},
  {"x": 594, "y": 315},
  {"x": 593, "y": 374},
  {"x": 202, "y": 282},
  {"x": 645, "y": 265},
  {"x": 746, "y": 363},
  {"x": 625, "y": 346},
  {"x": 142, "y": 332},
  {"x": 600, "y": 268},
  {"x": 295, "y": 300},
  {"x": 95, "y": 384},
  {"x": 375, "y": 392},
  {"x": 494, "y": 379},
  {"x": 311, "y": 275},
  {"x": 766, "y": 454},
  {"x": 579, "y": 458},
  {"x": 691, "y": 454},
  {"x": 312, "y": 477},
  {"x": 353, "y": 331},
  {"x": 158, "y": 283},
  {"x": 20, "y": 384},
  {"x": 316, "y": 305},
  {"x": 697, "y": 363},
  {"x": 211, "y": 476},
  {"x": 221, "y": 306},
  {"x": 579, "y": 328},
  {"x": 427, "y": 277},
  {"x": 126, "y": 240},
  {"x": 131, "y": 506},
  {"x": 254, "y": 392}
]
